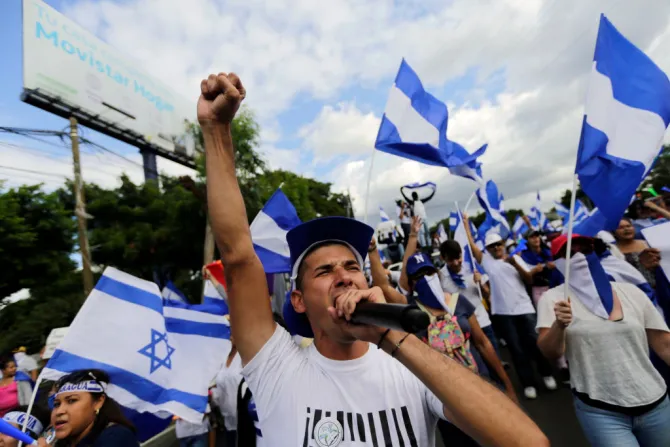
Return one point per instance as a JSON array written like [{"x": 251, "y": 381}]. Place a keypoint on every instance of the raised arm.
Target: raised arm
[
  {"x": 409, "y": 251},
  {"x": 248, "y": 296},
  {"x": 407, "y": 199},
  {"x": 380, "y": 279},
  {"x": 432, "y": 194},
  {"x": 476, "y": 252}
]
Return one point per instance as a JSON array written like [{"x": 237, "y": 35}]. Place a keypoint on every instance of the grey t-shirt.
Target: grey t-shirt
[{"x": 609, "y": 360}]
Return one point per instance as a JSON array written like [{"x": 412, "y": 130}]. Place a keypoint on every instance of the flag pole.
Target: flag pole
[
  {"x": 30, "y": 405},
  {"x": 367, "y": 189},
  {"x": 472, "y": 256},
  {"x": 467, "y": 204},
  {"x": 568, "y": 249}
]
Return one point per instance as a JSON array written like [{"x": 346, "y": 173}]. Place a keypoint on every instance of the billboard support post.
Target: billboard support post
[
  {"x": 80, "y": 210},
  {"x": 149, "y": 164}
]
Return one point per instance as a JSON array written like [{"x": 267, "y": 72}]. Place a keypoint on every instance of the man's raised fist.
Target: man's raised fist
[{"x": 220, "y": 98}]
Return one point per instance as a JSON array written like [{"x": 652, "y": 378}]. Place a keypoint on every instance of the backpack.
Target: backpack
[{"x": 445, "y": 335}]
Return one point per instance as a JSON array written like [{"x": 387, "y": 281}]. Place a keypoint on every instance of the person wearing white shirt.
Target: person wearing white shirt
[
  {"x": 356, "y": 384},
  {"x": 468, "y": 285},
  {"x": 192, "y": 434},
  {"x": 512, "y": 309},
  {"x": 419, "y": 211},
  {"x": 224, "y": 393}
]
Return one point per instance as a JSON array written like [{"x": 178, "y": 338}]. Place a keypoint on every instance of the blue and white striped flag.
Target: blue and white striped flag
[
  {"x": 539, "y": 218},
  {"x": 489, "y": 199},
  {"x": 461, "y": 237},
  {"x": 172, "y": 294},
  {"x": 268, "y": 233},
  {"x": 414, "y": 126},
  {"x": 383, "y": 216},
  {"x": 520, "y": 227},
  {"x": 161, "y": 359},
  {"x": 453, "y": 221},
  {"x": 626, "y": 114}
]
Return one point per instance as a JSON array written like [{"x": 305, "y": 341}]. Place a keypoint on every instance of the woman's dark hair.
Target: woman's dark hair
[
  {"x": 450, "y": 250},
  {"x": 5, "y": 360},
  {"x": 110, "y": 413},
  {"x": 38, "y": 412},
  {"x": 279, "y": 320}
]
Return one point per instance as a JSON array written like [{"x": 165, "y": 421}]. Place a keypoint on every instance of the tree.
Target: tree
[
  {"x": 581, "y": 195},
  {"x": 36, "y": 238},
  {"x": 659, "y": 176}
]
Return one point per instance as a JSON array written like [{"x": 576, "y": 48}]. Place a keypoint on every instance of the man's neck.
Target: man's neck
[{"x": 333, "y": 350}]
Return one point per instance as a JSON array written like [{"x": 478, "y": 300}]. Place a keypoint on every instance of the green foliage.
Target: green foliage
[
  {"x": 659, "y": 176},
  {"x": 36, "y": 238}
]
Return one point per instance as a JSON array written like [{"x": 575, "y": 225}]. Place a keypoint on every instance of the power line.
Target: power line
[{"x": 33, "y": 172}]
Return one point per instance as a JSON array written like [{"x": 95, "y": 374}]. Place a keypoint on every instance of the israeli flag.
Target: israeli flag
[
  {"x": 489, "y": 199},
  {"x": 626, "y": 114},
  {"x": 414, "y": 126},
  {"x": 520, "y": 227},
  {"x": 215, "y": 300},
  {"x": 382, "y": 214},
  {"x": 172, "y": 294},
  {"x": 268, "y": 233},
  {"x": 160, "y": 359},
  {"x": 441, "y": 233}
]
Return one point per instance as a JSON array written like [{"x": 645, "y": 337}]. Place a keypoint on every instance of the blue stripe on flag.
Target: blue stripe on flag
[
  {"x": 429, "y": 107},
  {"x": 272, "y": 262},
  {"x": 126, "y": 292},
  {"x": 281, "y": 210},
  {"x": 186, "y": 327},
  {"x": 144, "y": 389}
]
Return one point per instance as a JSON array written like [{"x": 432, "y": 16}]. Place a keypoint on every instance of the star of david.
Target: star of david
[{"x": 150, "y": 351}]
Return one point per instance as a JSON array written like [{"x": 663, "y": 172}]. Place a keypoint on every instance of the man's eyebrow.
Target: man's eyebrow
[{"x": 331, "y": 265}]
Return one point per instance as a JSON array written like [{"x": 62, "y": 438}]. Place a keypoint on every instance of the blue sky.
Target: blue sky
[{"x": 513, "y": 74}]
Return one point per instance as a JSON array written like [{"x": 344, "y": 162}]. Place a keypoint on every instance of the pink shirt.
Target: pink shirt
[{"x": 9, "y": 398}]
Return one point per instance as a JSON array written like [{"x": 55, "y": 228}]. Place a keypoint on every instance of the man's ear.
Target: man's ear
[{"x": 298, "y": 302}]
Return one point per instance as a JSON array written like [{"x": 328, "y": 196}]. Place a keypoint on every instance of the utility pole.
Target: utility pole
[{"x": 80, "y": 210}]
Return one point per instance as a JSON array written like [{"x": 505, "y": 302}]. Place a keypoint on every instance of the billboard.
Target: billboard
[{"x": 77, "y": 71}]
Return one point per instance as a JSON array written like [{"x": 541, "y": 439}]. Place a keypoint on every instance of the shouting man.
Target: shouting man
[{"x": 356, "y": 384}]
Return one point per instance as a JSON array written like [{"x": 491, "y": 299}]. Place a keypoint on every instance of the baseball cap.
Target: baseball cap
[
  {"x": 558, "y": 243},
  {"x": 417, "y": 262},
  {"x": 492, "y": 238},
  {"x": 306, "y": 237}
]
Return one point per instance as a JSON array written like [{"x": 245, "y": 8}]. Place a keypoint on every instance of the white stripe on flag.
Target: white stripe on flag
[
  {"x": 411, "y": 126},
  {"x": 274, "y": 237},
  {"x": 627, "y": 128}
]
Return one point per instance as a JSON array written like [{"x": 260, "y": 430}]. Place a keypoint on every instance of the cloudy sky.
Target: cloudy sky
[{"x": 513, "y": 73}]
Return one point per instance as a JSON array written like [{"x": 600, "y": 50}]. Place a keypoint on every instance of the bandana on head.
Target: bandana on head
[
  {"x": 87, "y": 386},
  {"x": 429, "y": 292},
  {"x": 19, "y": 417},
  {"x": 589, "y": 283}
]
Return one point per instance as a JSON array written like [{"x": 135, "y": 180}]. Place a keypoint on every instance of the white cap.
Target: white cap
[{"x": 492, "y": 238}]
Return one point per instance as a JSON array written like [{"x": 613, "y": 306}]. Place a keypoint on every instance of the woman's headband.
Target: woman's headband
[{"x": 19, "y": 417}]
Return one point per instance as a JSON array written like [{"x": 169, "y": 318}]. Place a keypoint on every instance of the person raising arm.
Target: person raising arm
[
  {"x": 250, "y": 310},
  {"x": 341, "y": 390}
]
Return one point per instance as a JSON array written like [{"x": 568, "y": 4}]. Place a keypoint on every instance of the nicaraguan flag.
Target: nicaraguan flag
[
  {"x": 383, "y": 216},
  {"x": 414, "y": 126},
  {"x": 563, "y": 212},
  {"x": 161, "y": 359},
  {"x": 489, "y": 199},
  {"x": 172, "y": 294},
  {"x": 268, "y": 233},
  {"x": 540, "y": 219},
  {"x": 461, "y": 237},
  {"x": 453, "y": 221},
  {"x": 626, "y": 114},
  {"x": 520, "y": 227}
]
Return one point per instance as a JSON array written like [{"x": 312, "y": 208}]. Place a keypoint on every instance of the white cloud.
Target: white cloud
[
  {"x": 285, "y": 49},
  {"x": 342, "y": 129}
]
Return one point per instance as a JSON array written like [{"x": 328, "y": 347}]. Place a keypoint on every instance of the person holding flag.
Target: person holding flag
[
  {"x": 38, "y": 420},
  {"x": 605, "y": 330},
  {"x": 512, "y": 309},
  {"x": 345, "y": 375}
]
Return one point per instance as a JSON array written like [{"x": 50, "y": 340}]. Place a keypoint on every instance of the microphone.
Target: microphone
[{"x": 399, "y": 317}]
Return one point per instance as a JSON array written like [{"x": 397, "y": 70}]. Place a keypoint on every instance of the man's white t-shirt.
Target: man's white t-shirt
[
  {"x": 419, "y": 209},
  {"x": 508, "y": 292},
  {"x": 470, "y": 292},
  {"x": 305, "y": 399}
]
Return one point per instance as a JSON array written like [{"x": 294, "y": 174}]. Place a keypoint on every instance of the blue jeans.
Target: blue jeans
[
  {"x": 195, "y": 441},
  {"x": 519, "y": 333},
  {"x": 605, "y": 428},
  {"x": 423, "y": 235}
]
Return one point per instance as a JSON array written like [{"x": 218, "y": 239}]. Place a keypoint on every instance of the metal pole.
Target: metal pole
[{"x": 80, "y": 210}]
